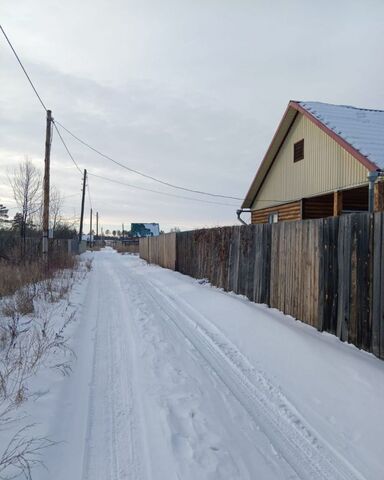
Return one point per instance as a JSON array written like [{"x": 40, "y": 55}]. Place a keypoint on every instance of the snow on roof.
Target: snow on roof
[
  {"x": 145, "y": 229},
  {"x": 153, "y": 228},
  {"x": 362, "y": 128}
]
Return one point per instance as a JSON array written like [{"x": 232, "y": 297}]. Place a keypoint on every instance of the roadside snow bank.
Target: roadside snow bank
[
  {"x": 36, "y": 326},
  {"x": 336, "y": 388}
]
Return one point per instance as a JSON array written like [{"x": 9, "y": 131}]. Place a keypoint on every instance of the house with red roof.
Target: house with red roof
[{"x": 324, "y": 160}]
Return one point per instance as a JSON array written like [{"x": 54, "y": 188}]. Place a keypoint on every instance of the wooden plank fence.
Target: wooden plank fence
[
  {"x": 328, "y": 273},
  {"x": 160, "y": 250},
  {"x": 13, "y": 248}
]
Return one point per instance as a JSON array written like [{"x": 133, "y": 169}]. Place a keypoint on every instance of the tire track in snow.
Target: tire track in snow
[
  {"x": 113, "y": 442},
  {"x": 193, "y": 439},
  {"x": 292, "y": 438}
]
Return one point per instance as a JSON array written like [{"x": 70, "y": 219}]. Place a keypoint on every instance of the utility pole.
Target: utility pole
[
  {"x": 90, "y": 230},
  {"x": 82, "y": 207},
  {"x": 97, "y": 225},
  {"x": 122, "y": 233},
  {"x": 47, "y": 161}
]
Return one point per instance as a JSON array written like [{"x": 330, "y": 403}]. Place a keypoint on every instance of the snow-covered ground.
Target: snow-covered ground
[{"x": 177, "y": 380}]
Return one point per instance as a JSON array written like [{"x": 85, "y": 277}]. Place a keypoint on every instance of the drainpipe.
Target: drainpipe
[
  {"x": 239, "y": 212},
  {"x": 372, "y": 177}
]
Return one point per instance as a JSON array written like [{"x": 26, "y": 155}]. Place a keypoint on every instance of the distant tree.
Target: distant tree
[
  {"x": 65, "y": 229},
  {"x": 175, "y": 229},
  {"x": 3, "y": 214},
  {"x": 118, "y": 233},
  {"x": 107, "y": 232},
  {"x": 26, "y": 185},
  {"x": 17, "y": 223},
  {"x": 114, "y": 233},
  {"x": 55, "y": 207}
]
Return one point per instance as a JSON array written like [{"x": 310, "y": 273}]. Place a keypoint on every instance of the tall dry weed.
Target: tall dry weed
[
  {"x": 14, "y": 276},
  {"x": 32, "y": 336}
]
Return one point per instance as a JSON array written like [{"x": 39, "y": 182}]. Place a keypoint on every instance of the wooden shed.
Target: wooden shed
[{"x": 318, "y": 163}]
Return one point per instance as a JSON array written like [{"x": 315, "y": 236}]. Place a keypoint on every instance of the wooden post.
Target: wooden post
[
  {"x": 82, "y": 207},
  {"x": 337, "y": 203},
  {"x": 47, "y": 160},
  {"x": 90, "y": 230},
  {"x": 379, "y": 196},
  {"x": 97, "y": 225}
]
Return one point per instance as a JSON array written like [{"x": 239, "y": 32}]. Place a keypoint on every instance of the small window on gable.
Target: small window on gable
[{"x": 298, "y": 150}]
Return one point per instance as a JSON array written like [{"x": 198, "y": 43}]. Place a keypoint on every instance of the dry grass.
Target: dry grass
[
  {"x": 32, "y": 334},
  {"x": 95, "y": 248},
  {"x": 14, "y": 276},
  {"x": 126, "y": 248}
]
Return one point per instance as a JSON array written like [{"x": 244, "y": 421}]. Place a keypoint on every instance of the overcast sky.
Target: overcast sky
[{"x": 189, "y": 91}]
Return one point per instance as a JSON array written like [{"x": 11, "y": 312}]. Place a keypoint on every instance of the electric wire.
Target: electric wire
[
  {"x": 38, "y": 96},
  {"x": 135, "y": 186},
  {"x": 122, "y": 165},
  {"x": 158, "y": 192},
  {"x": 22, "y": 66},
  {"x": 190, "y": 198},
  {"x": 130, "y": 185},
  {"x": 137, "y": 172},
  {"x": 66, "y": 147}
]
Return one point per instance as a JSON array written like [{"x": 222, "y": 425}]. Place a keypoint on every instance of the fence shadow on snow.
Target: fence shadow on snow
[{"x": 328, "y": 273}]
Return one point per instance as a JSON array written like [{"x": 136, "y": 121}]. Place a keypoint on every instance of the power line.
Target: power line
[
  {"x": 37, "y": 94},
  {"x": 66, "y": 147},
  {"x": 24, "y": 70},
  {"x": 69, "y": 196},
  {"x": 168, "y": 184},
  {"x": 130, "y": 185},
  {"x": 158, "y": 192}
]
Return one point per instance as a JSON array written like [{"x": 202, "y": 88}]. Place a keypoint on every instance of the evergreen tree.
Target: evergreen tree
[{"x": 3, "y": 212}]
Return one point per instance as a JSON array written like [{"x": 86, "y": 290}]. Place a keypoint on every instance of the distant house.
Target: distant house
[
  {"x": 145, "y": 229},
  {"x": 318, "y": 163}
]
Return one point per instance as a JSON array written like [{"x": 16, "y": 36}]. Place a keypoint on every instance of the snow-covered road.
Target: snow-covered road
[{"x": 178, "y": 380}]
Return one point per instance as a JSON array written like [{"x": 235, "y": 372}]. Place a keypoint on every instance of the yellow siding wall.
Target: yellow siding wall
[{"x": 326, "y": 167}]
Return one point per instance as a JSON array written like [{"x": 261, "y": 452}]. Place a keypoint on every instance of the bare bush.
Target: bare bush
[
  {"x": 121, "y": 248},
  {"x": 31, "y": 336},
  {"x": 88, "y": 264},
  {"x": 22, "y": 454}
]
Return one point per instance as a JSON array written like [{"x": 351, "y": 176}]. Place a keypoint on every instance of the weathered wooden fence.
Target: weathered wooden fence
[
  {"x": 160, "y": 250},
  {"x": 328, "y": 273},
  {"x": 13, "y": 247}
]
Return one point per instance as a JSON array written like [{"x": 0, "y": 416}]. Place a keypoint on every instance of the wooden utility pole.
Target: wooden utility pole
[
  {"x": 122, "y": 233},
  {"x": 90, "y": 229},
  {"x": 82, "y": 206},
  {"x": 97, "y": 225},
  {"x": 47, "y": 161}
]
